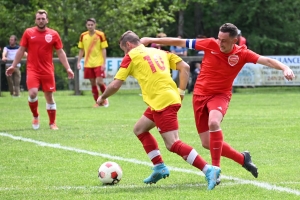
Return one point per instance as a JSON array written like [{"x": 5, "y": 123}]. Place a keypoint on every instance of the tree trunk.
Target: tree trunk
[
  {"x": 197, "y": 16},
  {"x": 180, "y": 23}
]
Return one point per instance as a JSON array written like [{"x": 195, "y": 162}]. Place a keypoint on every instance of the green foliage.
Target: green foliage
[{"x": 270, "y": 26}]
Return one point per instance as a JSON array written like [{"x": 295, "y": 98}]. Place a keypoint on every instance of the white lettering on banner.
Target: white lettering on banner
[
  {"x": 288, "y": 60},
  {"x": 259, "y": 75},
  {"x": 112, "y": 67}
]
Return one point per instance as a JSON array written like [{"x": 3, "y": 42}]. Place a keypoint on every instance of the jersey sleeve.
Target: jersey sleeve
[
  {"x": 104, "y": 43},
  {"x": 251, "y": 57},
  {"x": 58, "y": 43},
  {"x": 24, "y": 39},
  {"x": 173, "y": 60},
  {"x": 124, "y": 70},
  {"x": 198, "y": 44},
  {"x": 5, "y": 49},
  {"x": 80, "y": 43}
]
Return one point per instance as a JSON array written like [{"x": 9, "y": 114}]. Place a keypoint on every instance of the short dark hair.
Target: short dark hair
[
  {"x": 129, "y": 36},
  {"x": 14, "y": 37},
  {"x": 229, "y": 28},
  {"x": 91, "y": 20},
  {"x": 41, "y": 11}
]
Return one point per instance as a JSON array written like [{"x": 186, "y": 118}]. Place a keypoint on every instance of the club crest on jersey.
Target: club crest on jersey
[
  {"x": 48, "y": 38},
  {"x": 233, "y": 60}
]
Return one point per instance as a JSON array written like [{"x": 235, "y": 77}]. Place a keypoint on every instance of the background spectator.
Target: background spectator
[
  {"x": 9, "y": 54},
  {"x": 242, "y": 40},
  {"x": 159, "y": 46}
]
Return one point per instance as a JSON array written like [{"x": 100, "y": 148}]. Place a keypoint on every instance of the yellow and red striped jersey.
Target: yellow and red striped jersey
[{"x": 93, "y": 46}]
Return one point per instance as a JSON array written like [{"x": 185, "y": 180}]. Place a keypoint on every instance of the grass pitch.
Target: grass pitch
[{"x": 63, "y": 164}]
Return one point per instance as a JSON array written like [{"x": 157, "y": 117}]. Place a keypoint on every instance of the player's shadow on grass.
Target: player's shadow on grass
[{"x": 152, "y": 188}]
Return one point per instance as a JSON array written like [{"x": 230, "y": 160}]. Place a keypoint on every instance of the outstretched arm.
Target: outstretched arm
[
  {"x": 165, "y": 40},
  {"x": 111, "y": 89},
  {"x": 270, "y": 62}
]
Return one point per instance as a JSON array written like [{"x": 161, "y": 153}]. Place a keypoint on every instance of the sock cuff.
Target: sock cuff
[
  {"x": 176, "y": 144},
  {"x": 51, "y": 106},
  {"x": 32, "y": 100}
]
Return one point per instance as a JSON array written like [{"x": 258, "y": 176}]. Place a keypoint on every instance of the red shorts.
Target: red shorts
[
  {"x": 94, "y": 72},
  {"x": 165, "y": 120},
  {"x": 204, "y": 104},
  {"x": 46, "y": 81}
]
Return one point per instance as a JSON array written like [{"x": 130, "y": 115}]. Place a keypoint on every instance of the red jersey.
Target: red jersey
[
  {"x": 40, "y": 46},
  {"x": 218, "y": 69}
]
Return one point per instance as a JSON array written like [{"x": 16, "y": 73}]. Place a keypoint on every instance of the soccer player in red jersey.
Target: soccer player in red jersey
[
  {"x": 151, "y": 67},
  {"x": 92, "y": 45},
  {"x": 39, "y": 42},
  {"x": 222, "y": 61}
]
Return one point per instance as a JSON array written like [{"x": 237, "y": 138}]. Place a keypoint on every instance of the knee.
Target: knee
[
  {"x": 214, "y": 124},
  {"x": 32, "y": 95},
  {"x": 205, "y": 146},
  {"x": 137, "y": 130},
  {"x": 169, "y": 145}
]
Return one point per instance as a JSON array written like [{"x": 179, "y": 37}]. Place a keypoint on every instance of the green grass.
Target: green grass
[{"x": 60, "y": 165}]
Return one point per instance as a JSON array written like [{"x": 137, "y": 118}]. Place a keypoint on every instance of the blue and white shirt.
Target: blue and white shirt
[{"x": 11, "y": 53}]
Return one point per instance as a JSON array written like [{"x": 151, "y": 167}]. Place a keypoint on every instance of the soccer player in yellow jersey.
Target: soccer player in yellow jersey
[
  {"x": 151, "y": 67},
  {"x": 92, "y": 45}
]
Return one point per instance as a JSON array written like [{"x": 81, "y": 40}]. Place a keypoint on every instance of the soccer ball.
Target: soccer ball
[{"x": 110, "y": 173}]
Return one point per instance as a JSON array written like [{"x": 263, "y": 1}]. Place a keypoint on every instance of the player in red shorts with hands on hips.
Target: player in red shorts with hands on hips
[
  {"x": 222, "y": 61},
  {"x": 39, "y": 42}
]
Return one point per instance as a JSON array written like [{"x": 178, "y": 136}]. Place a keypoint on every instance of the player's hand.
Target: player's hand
[
  {"x": 288, "y": 74},
  {"x": 78, "y": 66},
  {"x": 100, "y": 101},
  {"x": 9, "y": 71},
  {"x": 145, "y": 41},
  {"x": 4, "y": 59},
  {"x": 70, "y": 73},
  {"x": 104, "y": 66}
]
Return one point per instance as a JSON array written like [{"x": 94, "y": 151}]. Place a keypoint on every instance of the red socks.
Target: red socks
[
  {"x": 216, "y": 143},
  {"x": 151, "y": 147},
  {"x": 52, "y": 116},
  {"x": 51, "y": 109},
  {"x": 229, "y": 152},
  {"x": 189, "y": 154},
  {"x": 95, "y": 92},
  {"x": 102, "y": 88},
  {"x": 34, "y": 108}
]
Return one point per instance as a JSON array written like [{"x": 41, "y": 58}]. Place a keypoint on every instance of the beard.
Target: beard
[{"x": 41, "y": 26}]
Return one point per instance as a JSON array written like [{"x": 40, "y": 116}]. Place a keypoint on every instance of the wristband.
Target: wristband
[{"x": 181, "y": 92}]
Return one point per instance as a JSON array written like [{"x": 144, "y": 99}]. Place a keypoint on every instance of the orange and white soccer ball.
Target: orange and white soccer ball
[{"x": 110, "y": 173}]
